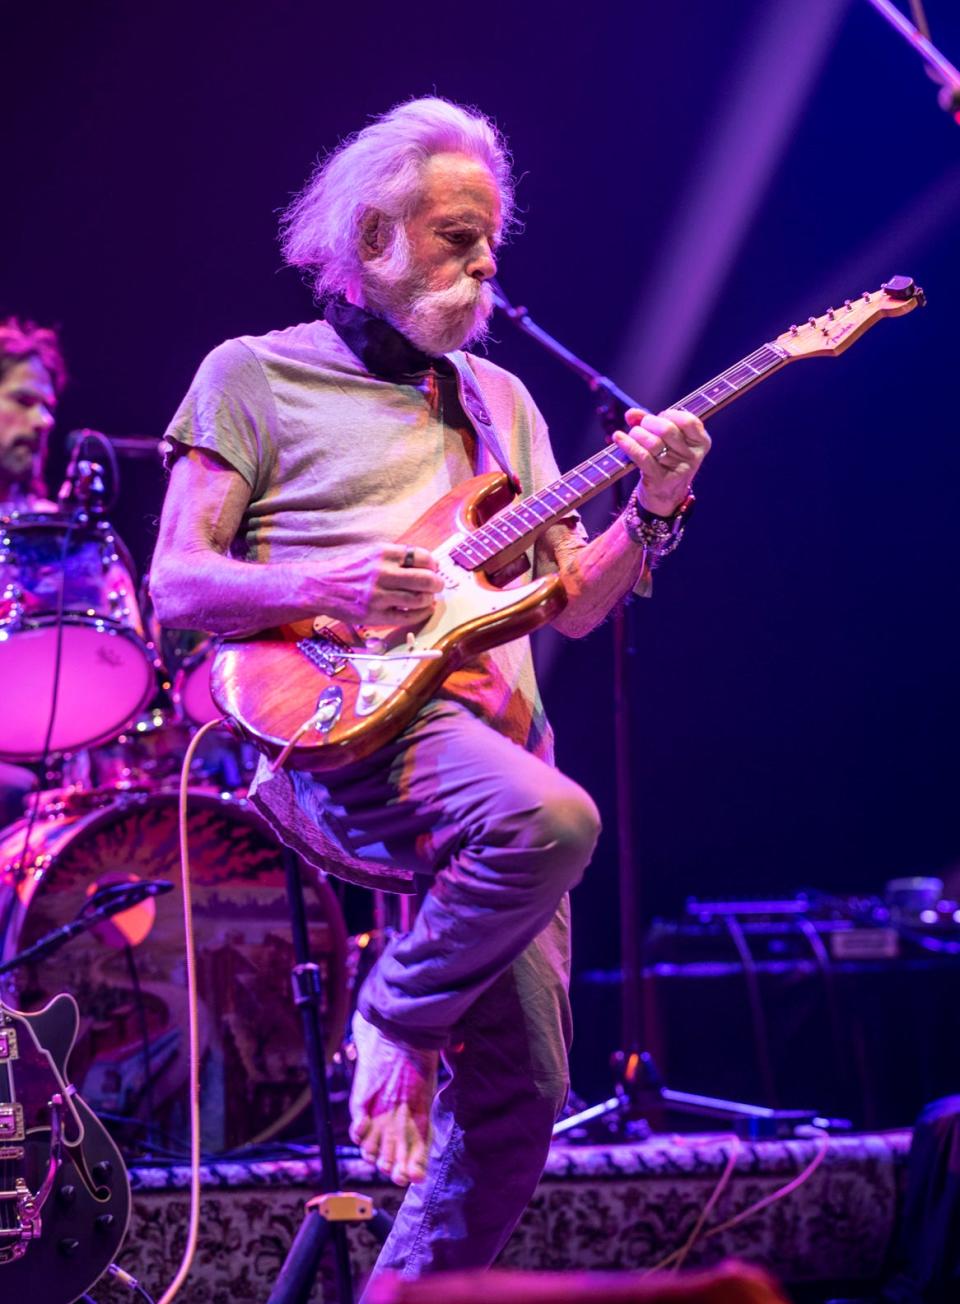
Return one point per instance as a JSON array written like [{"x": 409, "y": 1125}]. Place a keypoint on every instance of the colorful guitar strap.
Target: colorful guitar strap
[{"x": 477, "y": 411}]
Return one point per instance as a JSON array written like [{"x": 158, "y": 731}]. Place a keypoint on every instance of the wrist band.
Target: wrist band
[{"x": 658, "y": 536}]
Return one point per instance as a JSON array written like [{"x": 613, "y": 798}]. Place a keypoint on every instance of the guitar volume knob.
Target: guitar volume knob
[{"x": 103, "y": 1171}]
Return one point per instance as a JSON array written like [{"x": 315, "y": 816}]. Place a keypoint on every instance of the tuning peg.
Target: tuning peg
[
  {"x": 866, "y": 296},
  {"x": 811, "y": 321},
  {"x": 848, "y": 305},
  {"x": 794, "y": 330},
  {"x": 831, "y": 313}
]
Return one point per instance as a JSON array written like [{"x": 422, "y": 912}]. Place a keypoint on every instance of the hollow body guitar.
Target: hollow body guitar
[
  {"x": 64, "y": 1191},
  {"x": 320, "y": 694}
]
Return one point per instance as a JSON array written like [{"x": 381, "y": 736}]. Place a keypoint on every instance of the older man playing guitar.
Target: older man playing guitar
[{"x": 300, "y": 460}]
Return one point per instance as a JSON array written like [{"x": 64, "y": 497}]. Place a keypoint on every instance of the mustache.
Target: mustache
[
  {"x": 434, "y": 320},
  {"x": 466, "y": 293}
]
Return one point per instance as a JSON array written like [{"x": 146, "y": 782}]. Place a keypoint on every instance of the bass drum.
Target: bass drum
[{"x": 254, "y": 1081}]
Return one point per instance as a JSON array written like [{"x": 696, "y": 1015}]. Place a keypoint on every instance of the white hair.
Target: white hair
[{"x": 381, "y": 168}]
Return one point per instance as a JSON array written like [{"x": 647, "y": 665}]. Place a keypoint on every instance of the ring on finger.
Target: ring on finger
[
  {"x": 661, "y": 453},
  {"x": 408, "y": 559}
]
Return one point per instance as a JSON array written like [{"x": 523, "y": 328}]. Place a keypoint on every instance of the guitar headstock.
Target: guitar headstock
[{"x": 836, "y": 330}]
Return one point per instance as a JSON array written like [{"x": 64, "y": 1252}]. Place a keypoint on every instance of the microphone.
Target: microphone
[
  {"x": 67, "y": 491},
  {"x": 500, "y": 300},
  {"x": 127, "y": 894},
  {"x": 83, "y": 484}
]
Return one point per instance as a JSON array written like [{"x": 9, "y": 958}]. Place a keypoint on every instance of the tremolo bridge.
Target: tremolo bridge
[{"x": 380, "y": 669}]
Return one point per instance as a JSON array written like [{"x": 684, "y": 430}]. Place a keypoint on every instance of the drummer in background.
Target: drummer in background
[{"x": 32, "y": 375}]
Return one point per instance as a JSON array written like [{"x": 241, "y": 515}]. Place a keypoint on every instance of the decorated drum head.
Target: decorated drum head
[{"x": 130, "y": 1062}]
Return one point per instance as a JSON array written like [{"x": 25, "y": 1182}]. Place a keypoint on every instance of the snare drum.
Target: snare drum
[{"x": 107, "y": 671}]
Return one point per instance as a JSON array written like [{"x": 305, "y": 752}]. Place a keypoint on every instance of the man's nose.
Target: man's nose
[
  {"x": 483, "y": 264},
  {"x": 43, "y": 419}
]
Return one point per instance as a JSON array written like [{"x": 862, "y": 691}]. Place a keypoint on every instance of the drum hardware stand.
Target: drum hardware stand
[
  {"x": 327, "y": 1215},
  {"x": 81, "y": 494},
  {"x": 150, "y": 1131}
]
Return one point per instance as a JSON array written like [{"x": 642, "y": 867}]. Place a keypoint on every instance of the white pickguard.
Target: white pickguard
[{"x": 383, "y": 670}]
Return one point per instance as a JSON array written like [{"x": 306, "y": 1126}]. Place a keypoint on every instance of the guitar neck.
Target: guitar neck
[{"x": 513, "y": 529}]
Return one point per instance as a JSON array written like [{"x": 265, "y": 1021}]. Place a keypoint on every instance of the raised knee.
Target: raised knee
[{"x": 570, "y": 826}]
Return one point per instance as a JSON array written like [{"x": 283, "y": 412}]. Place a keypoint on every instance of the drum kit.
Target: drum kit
[{"x": 103, "y": 703}]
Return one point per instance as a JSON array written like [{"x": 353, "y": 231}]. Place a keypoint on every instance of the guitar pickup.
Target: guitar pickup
[
  {"x": 8, "y": 1045},
  {"x": 11, "y": 1122}
]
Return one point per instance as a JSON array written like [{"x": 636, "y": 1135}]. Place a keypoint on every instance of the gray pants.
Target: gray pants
[{"x": 500, "y": 838}]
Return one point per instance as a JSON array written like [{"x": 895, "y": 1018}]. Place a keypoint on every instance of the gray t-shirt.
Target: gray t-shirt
[{"x": 339, "y": 459}]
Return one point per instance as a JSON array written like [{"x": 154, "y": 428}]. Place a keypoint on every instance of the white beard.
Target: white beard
[{"x": 436, "y": 321}]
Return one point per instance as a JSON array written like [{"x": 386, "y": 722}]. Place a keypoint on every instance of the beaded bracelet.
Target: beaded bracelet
[{"x": 658, "y": 536}]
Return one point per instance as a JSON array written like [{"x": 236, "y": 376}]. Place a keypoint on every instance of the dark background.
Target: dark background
[{"x": 794, "y": 676}]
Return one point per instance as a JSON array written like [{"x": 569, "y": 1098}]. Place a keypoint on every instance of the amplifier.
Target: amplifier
[{"x": 842, "y": 1006}]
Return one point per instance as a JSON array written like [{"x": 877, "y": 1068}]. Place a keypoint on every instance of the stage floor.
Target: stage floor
[{"x": 623, "y": 1206}]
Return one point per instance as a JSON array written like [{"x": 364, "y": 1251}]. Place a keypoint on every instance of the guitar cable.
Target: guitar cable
[
  {"x": 674, "y": 1260},
  {"x": 193, "y": 1078},
  {"x": 125, "y": 1279}
]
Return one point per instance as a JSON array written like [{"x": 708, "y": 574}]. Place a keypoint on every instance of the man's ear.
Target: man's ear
[{"x": 374, "y": 233}]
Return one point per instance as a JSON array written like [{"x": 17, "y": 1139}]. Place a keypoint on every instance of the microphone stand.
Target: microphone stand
[
  {"x": 612, "y": 404},
  {"x": 639, "y": 1088},
  {"x": 938, "y": 66},
  {"x": 115, "y": 903}
]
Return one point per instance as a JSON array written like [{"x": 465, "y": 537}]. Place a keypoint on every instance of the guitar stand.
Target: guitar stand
[{"x": 327, "y": 1215}]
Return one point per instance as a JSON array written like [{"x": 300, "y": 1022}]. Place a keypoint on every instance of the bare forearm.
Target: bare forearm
[
  {"x": 206, "y": 590},
  {"x": 196, "y": 587},
  {"x": 596, "y": 576}
]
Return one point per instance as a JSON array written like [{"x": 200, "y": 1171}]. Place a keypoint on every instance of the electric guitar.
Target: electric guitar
[
  {"x": 318, "y": 694},
  {"x": 64, "y": 1192}
]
